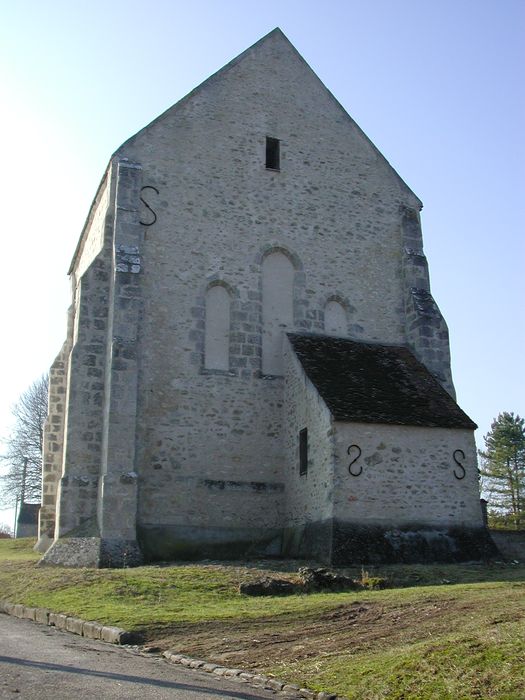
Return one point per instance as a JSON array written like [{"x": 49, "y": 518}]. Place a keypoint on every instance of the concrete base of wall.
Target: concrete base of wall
[
  {"x": 311, "y": 541},
  {"x": 177, "y": 542},
  {"x": 329, "y": 542},
  {"x": 93, "y": 552},
  {"x": 340, "y": 543}
]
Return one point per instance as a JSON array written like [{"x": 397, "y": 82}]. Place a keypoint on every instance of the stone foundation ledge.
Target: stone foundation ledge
[
  {"x": 93, "y": 552},
  {"x": 288, "y": 690},
  {"x": 84, "y": 628}
]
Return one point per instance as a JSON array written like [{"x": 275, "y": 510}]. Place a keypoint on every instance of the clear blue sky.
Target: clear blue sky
[{"x": 437, "y": 86}]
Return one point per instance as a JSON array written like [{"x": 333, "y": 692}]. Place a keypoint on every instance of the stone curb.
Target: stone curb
[
  {"x": 115, "y": 635},
  {"x": 84, "y": 628},
  {"x": 287, "y": 690}
]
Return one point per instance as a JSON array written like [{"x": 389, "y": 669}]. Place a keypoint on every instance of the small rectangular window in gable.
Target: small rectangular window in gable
[
  {"x": 272, "y": 153},
  {"x": 303, "y": 451}
]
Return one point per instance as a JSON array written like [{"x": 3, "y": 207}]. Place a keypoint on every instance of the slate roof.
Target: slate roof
[{"x": 373, "y": 383}]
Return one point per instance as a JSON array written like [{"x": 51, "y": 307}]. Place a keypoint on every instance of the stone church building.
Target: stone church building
[{"x": 254, "y": 363}]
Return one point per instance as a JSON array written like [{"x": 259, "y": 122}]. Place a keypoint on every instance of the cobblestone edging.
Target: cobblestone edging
[
  {"x": 288, "y": 690},
  {"x": 91, "y": 630},
  {"x": 115, "y": 635}
]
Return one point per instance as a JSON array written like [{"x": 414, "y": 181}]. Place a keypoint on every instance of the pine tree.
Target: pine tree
[{"x": 503, "y": 470}]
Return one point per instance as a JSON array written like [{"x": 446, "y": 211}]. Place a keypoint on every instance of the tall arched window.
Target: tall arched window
[
  {"x": 217, "y": 334},
  {"x": 277, "y": 288},
  {"x": 335, "y": 321}
]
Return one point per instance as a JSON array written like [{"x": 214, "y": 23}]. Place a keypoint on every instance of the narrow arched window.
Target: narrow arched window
[
  {"x": 335, "y": 321},
  {"x": 277, "y": 288},
  {"x": 217, "y": 334}
]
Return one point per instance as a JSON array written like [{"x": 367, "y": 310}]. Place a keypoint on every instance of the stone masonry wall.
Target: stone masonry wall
[
  {"x": 117, "y": 502},
  {"x": 427, "y": 332},
  {"x": 84, "y": 400},
  {"x": 96, "y": 515},
  {"x": 198, "y": 455},
  {"x": 406, "y": 476},
  {"x": 53, "y": 442},
  {"x": 90, "y": 247},
  {"x": 333, "y": 208},
  {"x": 310, "y": 496}
]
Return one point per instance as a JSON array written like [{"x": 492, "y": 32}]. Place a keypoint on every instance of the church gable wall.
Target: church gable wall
[
  {"x": 334, "y": 201},
  {"x": 218, "y": 213},
  {"x": 212, "y": 517},
  {"x": 217, "y": 328},
  {"x": 214, "y": 455}
]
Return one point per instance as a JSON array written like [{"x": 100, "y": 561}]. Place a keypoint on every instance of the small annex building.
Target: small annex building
[
  {"x": 254, "y": 362},
  {"x": 27, "y": 520}
]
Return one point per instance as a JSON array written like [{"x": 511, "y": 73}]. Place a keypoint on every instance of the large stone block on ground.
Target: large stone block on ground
[
  {"x": 75, "y": 625},
  {"x": 92, "y": 630},
  {"x": 42, "y": 616}
]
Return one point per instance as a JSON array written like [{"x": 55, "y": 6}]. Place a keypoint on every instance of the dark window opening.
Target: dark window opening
[
  {"x": 272, "y": 153},
  {"x": 303, "y": 451}
]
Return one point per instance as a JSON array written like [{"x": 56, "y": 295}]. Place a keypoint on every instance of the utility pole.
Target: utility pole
[
  {"x": 24, "y": 475},
  {"x": 15, "y": 524}
]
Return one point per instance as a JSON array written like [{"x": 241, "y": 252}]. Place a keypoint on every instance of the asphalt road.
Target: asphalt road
[{"x": 42, "y": 663}]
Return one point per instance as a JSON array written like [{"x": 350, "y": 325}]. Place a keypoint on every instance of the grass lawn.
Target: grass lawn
[{"x": 439, "y": 632}]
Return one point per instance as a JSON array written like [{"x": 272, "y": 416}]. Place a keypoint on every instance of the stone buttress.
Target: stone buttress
[
  {"x": 426, "y": 330},
  {"x": 97, "y": 491}
]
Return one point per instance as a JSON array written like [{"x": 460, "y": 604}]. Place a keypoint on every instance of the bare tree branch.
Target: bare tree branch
[{"x": 24, "y": 446}]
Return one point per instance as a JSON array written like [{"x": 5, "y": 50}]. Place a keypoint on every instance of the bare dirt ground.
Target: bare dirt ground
[{"x": 357, "y": 626}]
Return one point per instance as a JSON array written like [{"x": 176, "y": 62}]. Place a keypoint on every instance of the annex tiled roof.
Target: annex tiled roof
[{"x": 373, "y": 383}]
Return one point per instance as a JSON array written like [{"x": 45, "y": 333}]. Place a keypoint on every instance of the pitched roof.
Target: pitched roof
[{"x": 373, "y": 383}]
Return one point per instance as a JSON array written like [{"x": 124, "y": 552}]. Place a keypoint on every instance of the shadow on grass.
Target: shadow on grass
[{"x": 397, "y": 575}]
